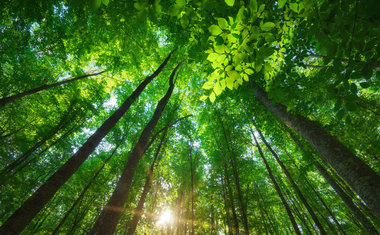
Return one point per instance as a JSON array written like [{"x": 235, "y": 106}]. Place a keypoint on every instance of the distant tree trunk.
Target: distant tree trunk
[
  {"x": 263, "y": 218},
  {"x": 6, "y": 100},
  {"x": 212, "y": 218},
  {"x": 17, "y": 222},
  {"x": 108, "y": 218},
  {"x": 231, "y": 199},
  {"x": 294, "y": 185},
  {"x": 226, "y": 206},
  {"x": 346, "y": 199},
  {"x": 21, "y": 159},
  {"x": 192, "y": 189},
  {"x": 236, "y": 177},
  {"x": 84, "y": 191},
  {"x": 140, "y": 206},
  {"x": 277, "y": 187},
  {"x": 320, "y": 198},
  {"x": 274, "y": 228},
  {"x": 179, "y": 210},
  {"x": 354, "y": 171}
]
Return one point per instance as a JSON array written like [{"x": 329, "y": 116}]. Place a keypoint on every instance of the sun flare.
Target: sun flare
[{"x": 166, "y": 217}]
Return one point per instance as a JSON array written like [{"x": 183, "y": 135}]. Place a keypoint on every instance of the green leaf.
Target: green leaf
[
  {"x": 203, "y": 98},
  {"x": 208, "y": 85},
  {"x": 222, "y": 23},
  {"x": 253, "y": 5},
  {"x": 217, "y": 89},
  {"x": 214, "y": 30},
  {"x": 106, "y": 2},
  {"x": 248, "y": 71},
  {"x": 364, "y": 84},
  {"x": 230, "y": 2},
  {"x": 294, "y": 7},
  {"x": 267, "y": 26},
  {"x": 233, "y": 74},
  {"x": 281, "y": 3},
  {"x": 212, "y": 97}
]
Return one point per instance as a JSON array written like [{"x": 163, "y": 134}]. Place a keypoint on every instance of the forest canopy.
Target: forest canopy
[{"x": 190, "y": 117}]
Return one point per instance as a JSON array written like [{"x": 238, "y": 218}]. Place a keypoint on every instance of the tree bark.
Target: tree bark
[
  {"x": 140, "y": 206},
  {"x": 346, "y": 199},
  {"x": 108, "y": 218},
  {"x": 6, "y": 100},
  {"x": 294, "y": 185},
  {"x": 354, "y": 171},
  {"x": 277, "y": 187},
  {"x": 17, "y": 222}
]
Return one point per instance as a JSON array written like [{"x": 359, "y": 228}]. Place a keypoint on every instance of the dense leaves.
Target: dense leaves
[{"x": 317, "y": 60}]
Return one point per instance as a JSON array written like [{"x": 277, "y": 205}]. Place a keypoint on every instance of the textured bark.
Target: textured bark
[
  {"x": 294, "y": 185},
  {"x": 84, "y": 191},
  {"x": 140, "y": 206},
  {"x": 278, "y": 190},
  {"x": 354, "y": 171},
  {"x": 108, "y": 218},
  {"x": 17, "y": 222},
  {"x": 346, "y": 199},
  {"x": 6, "y": 100}
]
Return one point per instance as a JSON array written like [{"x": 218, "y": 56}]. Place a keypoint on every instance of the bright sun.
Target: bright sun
[{"x": 166, "y": 218}]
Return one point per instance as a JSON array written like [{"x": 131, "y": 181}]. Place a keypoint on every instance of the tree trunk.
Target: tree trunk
[
  {"x": 17, "y": 222},
  {"x": 84, "y": 191},
  {"x": 320, "y": 198},
  {"x": 277, "y": 187},
  {"x": 231, "y": 199},
  {"x": 108, "y": 218},
  {"x": 140, "y": 206},
  {"x": 354, "y": 171},
  {"x": 226, "y": 206},
  {"x": 263, "y": 218},
  {"x": 6, "y": 100},
  {"x": 346, "y": 199},
  {"x": 192, "y": 190},
  {"x": 236, "y": 177},
  {"x": 294, "y": 185}
]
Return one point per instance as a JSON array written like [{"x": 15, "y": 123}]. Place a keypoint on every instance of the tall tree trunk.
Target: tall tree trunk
[
  {"x": 274, "y": 228},
  {"x": 354, "y": 171},
  {"x": 277, "y": 187},
  {"x": 263, "y": 218},
  {"x": 231, "y": 199},
  {"x": 84, "y": 191},
  {"x": 294, "y": 185},
  {"x": 6, "y": 100},
  {"x": 236, "y": 177},
  {"x": 21, "y": 159},
  {"x": 179, "y": 210},
  {"x": 192, "y": 189},
  {"x": 320, "y": 198},
  {"x": 140, "y": 206},
  {"x": 17, "y": 222},
  {"x": 346, "y": 199},
  {"x": 108, "y": 218},
  {"x": 226, "y": 206}
]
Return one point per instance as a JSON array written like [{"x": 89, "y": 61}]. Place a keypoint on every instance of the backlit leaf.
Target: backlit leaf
[
  {"x": 214, "y": 30},
  {"x": 230, "y": 2}
]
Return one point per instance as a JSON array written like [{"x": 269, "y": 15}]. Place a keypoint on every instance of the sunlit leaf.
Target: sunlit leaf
[
  {"x": 230, "y": 2},
  {"x": 215, "y": 30},
  {"x": 212, "y": 97},
  {"x": 222, "y": 23}
]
